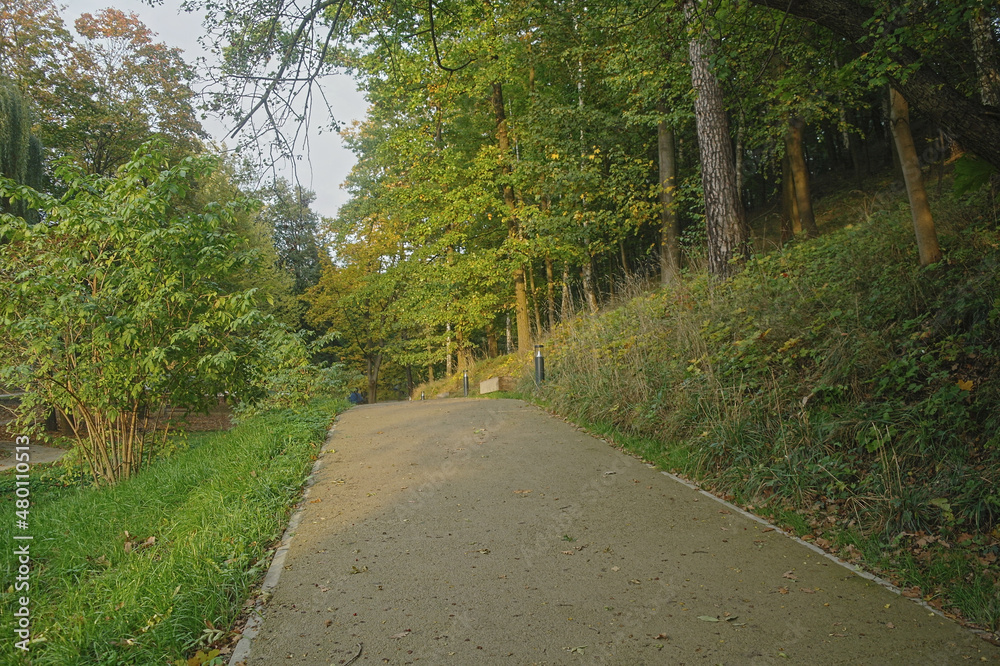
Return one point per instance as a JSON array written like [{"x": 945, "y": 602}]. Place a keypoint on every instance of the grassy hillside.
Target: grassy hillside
[{"x": 832, "y": 385}]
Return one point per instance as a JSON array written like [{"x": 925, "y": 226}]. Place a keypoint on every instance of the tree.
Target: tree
[
  {"x": 20, "y": 149},
  {"x": 100, "y": 98},
  {"x": 894, "y": 39},
  {"x": 920, "y": 210},
  {"x": 115, "y": 306},
  {"x": 724, "y": 214},
  {"x": 295, "y": 229}
]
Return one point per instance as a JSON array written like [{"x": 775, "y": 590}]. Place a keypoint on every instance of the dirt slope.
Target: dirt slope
[{"x": 488, "y": 532}]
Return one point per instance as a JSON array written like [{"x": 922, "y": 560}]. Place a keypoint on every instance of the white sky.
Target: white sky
[{"x": 328, "y": 162}]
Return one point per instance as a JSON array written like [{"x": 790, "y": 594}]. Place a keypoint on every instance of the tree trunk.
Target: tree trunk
[
  {"x": 800, "y": 176},
  {"x": 920, "y": 210},
  {"x": 728, "y": 234},
  {"x": 550, "y": 294},
  {"x": 534, "y": 302},
  {"x": 974, "y": 125},
  {"x": 520, "y": 291},
  {"x": 790, "y": 224},
  {"x": 430, "y": 364},
  {"x": 670, "y": 247},
  {"x": 447, "y": 351},
  {"x": 587, "y": 275},
  {"x": 374, "y": 362},
  {"x": 984, "y": 48},
  {"x": 492, "y": 345},
  {"x": 507, "y": 335},
  {"x": 566, "y": 311}
]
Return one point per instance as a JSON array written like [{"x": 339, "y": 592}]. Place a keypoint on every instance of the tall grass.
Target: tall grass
[{"x": 135, "y": 573}]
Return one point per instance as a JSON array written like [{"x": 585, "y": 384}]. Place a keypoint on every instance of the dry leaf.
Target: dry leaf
[
  {"x": 782, "y": 590},
  {"x": 402, "y": 634},
  {"x": 807, "y": 590},
  {"x": 790, "y": 575}
]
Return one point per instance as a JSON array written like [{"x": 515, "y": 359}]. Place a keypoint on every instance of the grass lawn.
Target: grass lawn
[{"x": 139, "y": 573}]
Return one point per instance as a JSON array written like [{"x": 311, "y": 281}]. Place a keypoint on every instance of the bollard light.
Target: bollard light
[
  {"x": 465, "y": 383},
  {"x": 421, "y": 395},
  {"x": 539, "y": 366}
]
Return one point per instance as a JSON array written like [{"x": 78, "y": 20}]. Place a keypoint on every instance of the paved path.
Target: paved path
[
  {"x": 39, "y": 454},
  {"x": 488, "y": 532}
]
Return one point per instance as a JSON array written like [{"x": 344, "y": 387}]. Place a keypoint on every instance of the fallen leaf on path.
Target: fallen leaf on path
[
  {"x": 890, "y": 625},
  {"x": 767, "y": 529},
  {"x": 782, "y": 590},
  {"x": 355, "y": 570},
  {"x": 566, "y": 552},
  {"x": 521, "y": 492},
  {"x": 911, "y": 592},
  {"x": 807, "y": 590},
  {"x": 790, "y": 575},
  {"x": 708, "y": 618},
  {"x": 402, "y": 634},
  {"x": 615, "y": 568},
  {"x": 661, "y": 637},
  {"x": 578, "y": 650}
]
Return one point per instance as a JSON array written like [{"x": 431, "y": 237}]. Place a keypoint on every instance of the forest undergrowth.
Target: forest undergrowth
[{"x": 833, "y": 386}]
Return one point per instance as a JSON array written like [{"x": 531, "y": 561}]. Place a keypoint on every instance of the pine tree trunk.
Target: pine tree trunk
[
  {"x": 800, "y": 176},
  {"x": 670, "y": 248},
  {"x": 728, "y": 234},
  {"x": 920, "y": 210}
]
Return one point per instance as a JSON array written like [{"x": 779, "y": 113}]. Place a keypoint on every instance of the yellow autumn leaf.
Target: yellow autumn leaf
[{"x": 965, "y": 385}]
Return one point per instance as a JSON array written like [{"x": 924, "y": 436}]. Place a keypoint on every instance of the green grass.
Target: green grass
[
  {"x": 833, "y": 386},
  {"x": 212, "y": 512}
]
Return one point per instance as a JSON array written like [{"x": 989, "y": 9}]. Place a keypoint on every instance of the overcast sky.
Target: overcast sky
[{"x": 327, "y": 165}]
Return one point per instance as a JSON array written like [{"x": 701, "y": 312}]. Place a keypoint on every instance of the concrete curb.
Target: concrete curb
[{"x": 243, "y": 647}]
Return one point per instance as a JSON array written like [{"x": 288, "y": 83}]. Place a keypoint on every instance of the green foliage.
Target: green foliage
[
  {"x": 117, "y": 305},
  {"x": 20, "y": 150},
  {"x": 971, "y": 174},
  {"x": 198, "y": 527},
  {"x": 287, "y": 375}
]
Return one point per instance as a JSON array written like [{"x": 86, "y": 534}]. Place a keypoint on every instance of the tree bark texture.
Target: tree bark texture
[
  {"x": 920, "y": 210},
  {"x": 800, "y": 176},
  {"x": 520, "y": 290},
  {"x": 670, "y": 248},
  {"x": 728, "y": 234},
  {"x": 975, "y": 126}
]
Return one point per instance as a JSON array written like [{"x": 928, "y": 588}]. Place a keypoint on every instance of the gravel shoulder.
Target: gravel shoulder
[{"x": 489, "y": 532}]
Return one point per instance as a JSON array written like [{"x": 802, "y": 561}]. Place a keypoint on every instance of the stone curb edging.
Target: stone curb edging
[{"x": 242, "y": 650}]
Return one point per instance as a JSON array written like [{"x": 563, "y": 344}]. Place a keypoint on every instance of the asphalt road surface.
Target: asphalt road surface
[{"x": 489, "y": 532}]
